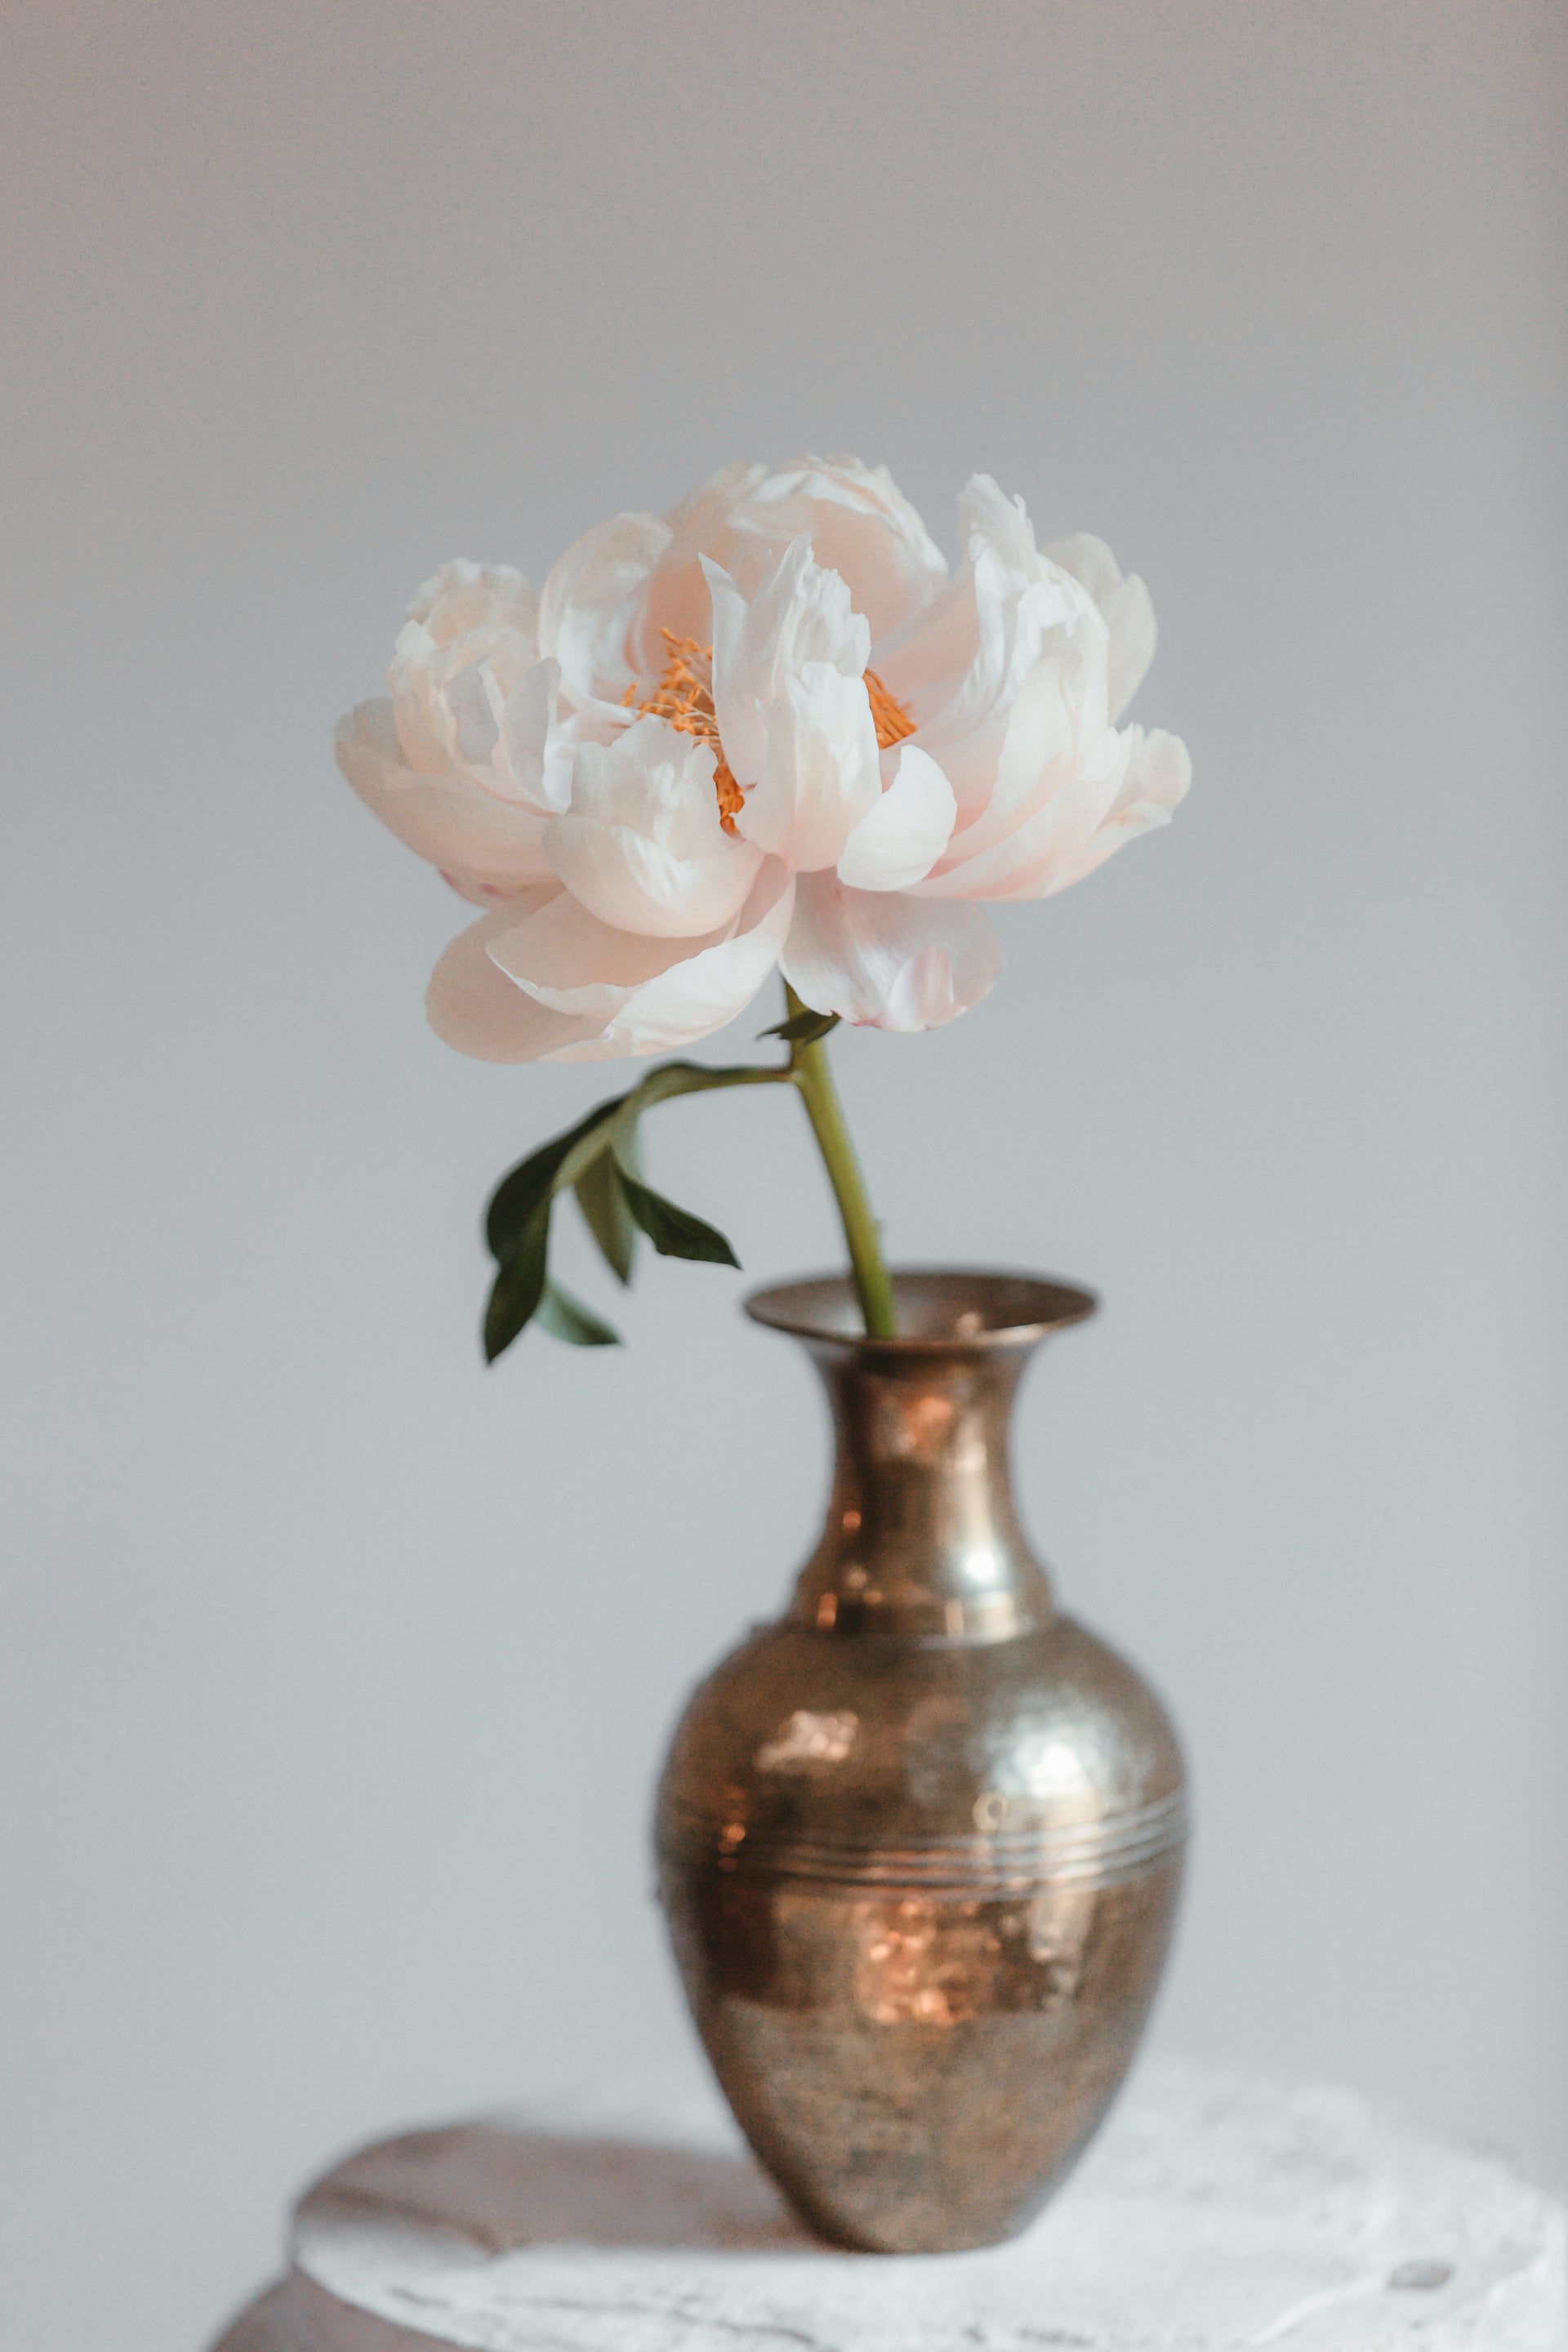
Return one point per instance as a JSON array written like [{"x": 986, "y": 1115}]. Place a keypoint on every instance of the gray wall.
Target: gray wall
[{"x": 335, "y": 1669}]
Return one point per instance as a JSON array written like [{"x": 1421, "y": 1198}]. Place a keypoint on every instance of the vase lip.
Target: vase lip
[{"x": 940, "y": 1308}]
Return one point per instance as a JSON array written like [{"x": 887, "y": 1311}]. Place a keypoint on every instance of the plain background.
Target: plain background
[{"x": 335, "y": 1669}]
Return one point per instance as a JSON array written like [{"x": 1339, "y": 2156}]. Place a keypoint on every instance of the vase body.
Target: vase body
[{"x": 919, "y": 1839}]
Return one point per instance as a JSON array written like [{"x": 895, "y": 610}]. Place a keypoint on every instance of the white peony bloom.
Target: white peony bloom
[{"x": 767, "y": 729}]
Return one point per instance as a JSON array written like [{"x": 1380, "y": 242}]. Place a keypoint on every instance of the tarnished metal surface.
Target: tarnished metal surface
[{"x": 919, "y": 1841}]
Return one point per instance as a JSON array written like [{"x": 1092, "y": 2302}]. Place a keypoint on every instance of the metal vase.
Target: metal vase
[{"x": 919, "y": 1839}]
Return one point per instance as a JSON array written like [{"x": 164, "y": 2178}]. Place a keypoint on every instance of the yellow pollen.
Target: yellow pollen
[{"x": 683, "y": 698}]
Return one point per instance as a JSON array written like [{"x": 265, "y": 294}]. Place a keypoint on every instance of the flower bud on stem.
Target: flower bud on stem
[{"x": 810, "y": 1071}]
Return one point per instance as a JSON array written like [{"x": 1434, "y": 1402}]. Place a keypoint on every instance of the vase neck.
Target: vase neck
[{"x": 923, "y": 1540}]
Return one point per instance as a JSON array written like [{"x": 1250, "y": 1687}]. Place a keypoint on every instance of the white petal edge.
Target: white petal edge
[
  {"x": 1022, "y": 860},
  {"x": 642, "y": 846},
  {"x": 899, "y": 841},
  {"x": 801, "y": 617},
  {"x": 642, "y": 995},
  {"x": 568, "y": 959},
  {"x": 474, "y": 1007},
  {"x": 885, "y": 960},
  {"x": 479, "y": 840},
  {"x": 859, "y": 523},
  {"x": 1158, "y": 774},
  {"x": 1125, "y": 605},
  {"x": 692, "y": 998},
  {"x": 822, "y": 775},
  {"x": 469, "y": 593},
  {"x": 588, "y": 604}
]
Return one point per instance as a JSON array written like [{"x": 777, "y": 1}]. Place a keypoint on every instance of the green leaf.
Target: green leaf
[
  {"x": 566, "y": 1318},
  {"x": 674, "y": 1233},
  {"x": 566, "y": 1157},
  {"x": 601, "y": 1189},
  {"x": 519, "y": 1284},
  {"x": 520, "y": 1194},
  {"x": 803, "y": 1028},
  {"x": 606, "y": 1210},
  {"x": 597, "y": 1159}
]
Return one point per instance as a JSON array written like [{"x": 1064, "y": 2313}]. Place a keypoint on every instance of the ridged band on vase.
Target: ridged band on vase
[{"x": 1087, "y": 1853}]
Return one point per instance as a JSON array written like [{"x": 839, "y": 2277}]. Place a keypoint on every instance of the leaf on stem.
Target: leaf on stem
[
  {"x": 674, "y": 1233},
  {"x": 566, "y": 1318},
  {"x": 518, "y": 1285},
  {"x": 519, "y": 1195},
  {"x": 803, "y": 1028},
  {"x": 608, "y": 1217},
  {"x": 598, "y": 1160}
]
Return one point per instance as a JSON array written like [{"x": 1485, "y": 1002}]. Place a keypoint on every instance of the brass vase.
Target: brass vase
[{"x": 919, "y": 1839}]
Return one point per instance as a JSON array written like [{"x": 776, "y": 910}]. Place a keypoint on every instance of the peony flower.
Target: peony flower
[{"x": 767, "y": 731}]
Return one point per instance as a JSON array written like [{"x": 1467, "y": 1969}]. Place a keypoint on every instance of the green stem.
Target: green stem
[{"x": 812, "y": 1074}]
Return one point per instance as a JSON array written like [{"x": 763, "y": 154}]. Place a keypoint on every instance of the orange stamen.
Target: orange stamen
[
  {"x": 892, "y": 718},
  {"x": 683, "y": 698}
]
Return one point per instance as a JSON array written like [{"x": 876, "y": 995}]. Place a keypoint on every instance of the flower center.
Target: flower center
[{"x": 683, "y": 698}]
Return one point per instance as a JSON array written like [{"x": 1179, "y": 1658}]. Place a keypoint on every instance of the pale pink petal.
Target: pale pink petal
[
  {"x": 471, "y": 635},
  {"x": 474, "y": 1006},
  {"x": 901, "y": 838},
  {"x": 987, "y": 516},
  {"x": 567, "y": 958},
  {"x": 1007, "y": 612},
  {"x": 793, "y": 712},
  {"x": 1021, "y": 860},
  {"x": 602, "y": 993},
  {"x": 642, "y": 846},
  {"x": 594, "y": 722},
  {"x": 924, "y": 663},
  {"x": 742, "y": 727},
  {"x": 1158, "y": 771},
  {"x": 692, "y": 998},
  {"x": 463, "y": 596},
  {"x": 475, "y": 837},
  {"x": 879, "y": 958},
  {"x": 800, "y": 614},
  {"x": 590, "y": 605},
  {"x": 1125, "y": 605},
  {"x": 705, "y": 513},
  {"x": 676, "y": 594},
  {"x": 821, "y": 773},
  {"x": 1035, "y": 749},
  {"x": 524, "y": 738},
  {"x": 479, "y": 893},
  {"x": 860, "y": 525}
]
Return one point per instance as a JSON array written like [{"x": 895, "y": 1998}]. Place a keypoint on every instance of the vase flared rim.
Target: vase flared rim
[{"x": 940, "y": 1308}]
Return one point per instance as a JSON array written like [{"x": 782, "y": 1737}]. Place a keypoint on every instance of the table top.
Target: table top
[{"x": 1217, "y": 2211}]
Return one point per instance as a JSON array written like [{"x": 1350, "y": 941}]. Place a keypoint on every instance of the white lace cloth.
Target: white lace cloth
[{"x": 1217, "y": 2213}]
